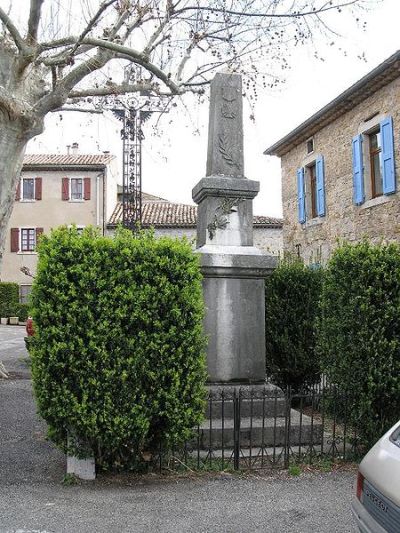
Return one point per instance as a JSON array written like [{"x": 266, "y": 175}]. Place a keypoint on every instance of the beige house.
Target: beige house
[
  {"x": 340, "y": 168},
  {"x": 55, "y": 190},
  {"x": 178, "y": 220}
]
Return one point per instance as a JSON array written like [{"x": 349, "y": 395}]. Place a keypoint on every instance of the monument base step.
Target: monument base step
[
  {"x": 295, "y": 430},
  {"x": 256, "y": 400}
]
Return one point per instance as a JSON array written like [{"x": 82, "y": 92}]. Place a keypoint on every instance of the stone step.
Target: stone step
[
  {"x": 257, "y": 431},
  {"x": 259, "y": 400},
  {"x": 256, "y": 407}
]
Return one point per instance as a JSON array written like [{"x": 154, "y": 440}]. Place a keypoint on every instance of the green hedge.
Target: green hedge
[
  {"x": 292, "y": 293},
  {"x": 21, "y": 311},
  {"x": 9, "y": 298},
  {"x": 118, "y": 356},
  {"x": 359, "y": 334}
]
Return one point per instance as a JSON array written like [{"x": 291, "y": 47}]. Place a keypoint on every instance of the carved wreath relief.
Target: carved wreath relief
[
  {"x": 221, "y": 216},
  {"x": 228, "y": 111}
]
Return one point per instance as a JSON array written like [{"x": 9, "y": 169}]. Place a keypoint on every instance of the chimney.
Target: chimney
[
  {"x": 68, "y": 149},
  {"x": 106, "y": 152},
  {"x": 75, "y": 148}
]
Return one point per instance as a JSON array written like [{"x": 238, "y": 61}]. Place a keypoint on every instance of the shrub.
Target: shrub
[
  {"x": 9, "y": 297},
  {"x": 359, "y": 334},
  {"x": 291, "y": 304},
  {"x": 118, "y": 355},
  {"x": 21, "y": 311}
]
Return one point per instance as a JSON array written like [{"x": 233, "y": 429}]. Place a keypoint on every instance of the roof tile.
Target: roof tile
[
  {"x": 167, "y": 214},
  {"x": 67, "y": 159}
]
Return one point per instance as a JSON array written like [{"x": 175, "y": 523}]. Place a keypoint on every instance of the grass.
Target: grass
[
  {"x": 70, "y": 479},
  {"x": 294, "y": 470}
]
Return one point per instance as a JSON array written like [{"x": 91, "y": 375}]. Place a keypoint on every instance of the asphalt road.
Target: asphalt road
[
  {"x": 12, "y": 350},
  {"x": 33, "y": 500}
]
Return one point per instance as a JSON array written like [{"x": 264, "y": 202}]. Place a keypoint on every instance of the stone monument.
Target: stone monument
[{"x": 233, "y": 269}]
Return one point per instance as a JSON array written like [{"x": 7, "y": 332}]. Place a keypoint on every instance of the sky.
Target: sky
[{"x": 175, "y": 160}]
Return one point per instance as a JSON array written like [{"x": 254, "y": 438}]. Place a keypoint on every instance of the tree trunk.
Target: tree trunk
[
  {"x": 12, "y": 149},
  {"x": 13, "y": 141},
  {"x": 20, "y": 89}
]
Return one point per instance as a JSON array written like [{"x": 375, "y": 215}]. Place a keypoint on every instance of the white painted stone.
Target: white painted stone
[{"x": 82, "y": 468}]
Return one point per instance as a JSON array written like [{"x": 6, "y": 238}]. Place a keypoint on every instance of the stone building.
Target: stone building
[
  {"x": 178, "y": 220},
  {"x": 340, "y": 168},
  {"x": 56, "y": 189}
]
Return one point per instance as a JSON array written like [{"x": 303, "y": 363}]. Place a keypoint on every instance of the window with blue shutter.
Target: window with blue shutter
[
  {"x": 358, "y": 171},
  {"x": 388, "y": 170},
  {"x": 301, "y": 197},
  {"x": 320, "y": 186}
]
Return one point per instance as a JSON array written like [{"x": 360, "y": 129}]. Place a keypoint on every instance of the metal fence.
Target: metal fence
[{"x": 261, "y": 427}]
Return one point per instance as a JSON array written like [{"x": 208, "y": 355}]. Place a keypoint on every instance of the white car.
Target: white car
[{"x": 376, "y": 506}]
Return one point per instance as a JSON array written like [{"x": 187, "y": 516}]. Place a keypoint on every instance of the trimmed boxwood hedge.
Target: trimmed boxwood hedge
[
  {"x": 9, "y": 298},
  {"x": 359, "y": 334},
  {"x": 118, "y": 357},
  {"x": 292, "y": 294}
]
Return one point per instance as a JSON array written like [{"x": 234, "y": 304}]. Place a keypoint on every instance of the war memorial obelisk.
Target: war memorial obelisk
[{"x": 233, "y": 269}]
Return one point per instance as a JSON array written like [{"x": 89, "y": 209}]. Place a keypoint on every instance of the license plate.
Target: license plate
[{"x": 375, "y": 500}]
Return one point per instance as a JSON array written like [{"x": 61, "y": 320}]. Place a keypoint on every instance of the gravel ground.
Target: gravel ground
[{"x": 33, "y": 500}]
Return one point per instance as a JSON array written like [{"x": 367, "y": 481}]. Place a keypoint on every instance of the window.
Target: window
[
  {"x": 24, "y": 292},
  {"x": 28, "y": 239},
  {"x": 76, "y": 189},
  {"x": 79, "y": 228},
  {"x": 373, "y": 162},
  {"x": 312, "y": 187},
  {"x": 311, "y": 190},
  {"x": 375, "y": 155},
  {"x": 310, "y": 145},
  {"x": 24, "y": 239},
  {"x": 28, "y": 189}
]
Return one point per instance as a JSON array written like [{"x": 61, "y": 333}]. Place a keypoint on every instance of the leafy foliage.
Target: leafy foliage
[
  {"x": 118, "y": 356},
  {"x": 9, "y": 298},
  {"x": 291, "y": 304},
  {"x": 20, "y": 310},
  {"x": 359, "y": 333}
]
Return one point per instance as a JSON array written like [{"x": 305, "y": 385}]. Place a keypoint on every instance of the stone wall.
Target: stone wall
[
  {"x": 268, "y": 240},
  {"x": 377, "y": 219}
]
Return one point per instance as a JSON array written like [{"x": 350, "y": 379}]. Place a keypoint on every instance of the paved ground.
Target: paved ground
[
  {"x": 12, "y": 349},
  {"x": 33, "y": 500}
]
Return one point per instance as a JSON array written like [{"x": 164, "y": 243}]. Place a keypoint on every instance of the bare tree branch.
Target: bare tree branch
[
  {"x": 64, "y": 57},
  {"x": 77, "y": 110},
  {"x": 34, "y": 18},
  {"x": 103, "y": 7},
  {"x": 150, "y": 45},
  {"x": 18, "y": 40},
  {"x": 121, "y": 52},
  {"x": 113, "y": 89},
  {"x": 329, "y": 6}
]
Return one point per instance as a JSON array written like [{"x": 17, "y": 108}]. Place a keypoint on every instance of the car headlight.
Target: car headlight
[{"x": 395, "y": 437}]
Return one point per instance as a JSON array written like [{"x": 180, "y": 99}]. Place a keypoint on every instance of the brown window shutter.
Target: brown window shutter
[
  {"x": 15, "y": 239},
  {"x": 39, "y": 231},
  {"x": 65, "y": 189},
  {"x": 38, "y": 188},
  {"x": 18, "y": 193},
  {"x": 86, "y": 189}
]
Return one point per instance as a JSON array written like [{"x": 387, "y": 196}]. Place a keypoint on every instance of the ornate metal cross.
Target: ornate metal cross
[{"x": 133, "y": 111}]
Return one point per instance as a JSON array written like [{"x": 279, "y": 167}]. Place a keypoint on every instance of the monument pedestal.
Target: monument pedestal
[
  {"x": 233, "y": 288},
  {"x": 233, "y": 284},
  {"x": 233, "y": 269}
]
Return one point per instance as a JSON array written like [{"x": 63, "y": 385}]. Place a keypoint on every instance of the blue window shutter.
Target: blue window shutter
[
  {"x": 320, "y": 173},
  {"x": 388, "y": 172},
  {"x": 358, "y": 171},
  {"x": 301, "y": 197}
]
